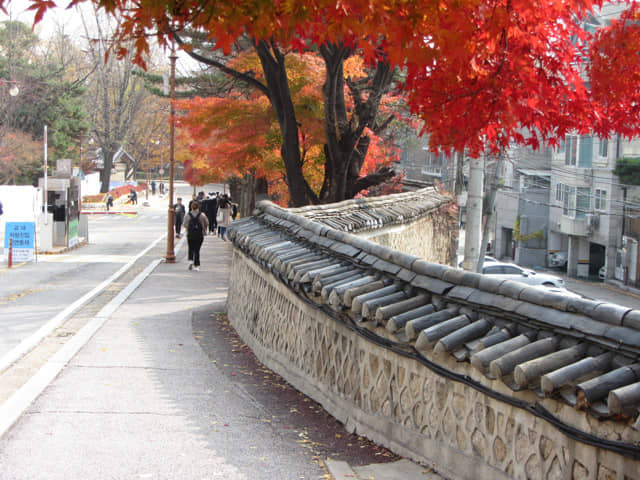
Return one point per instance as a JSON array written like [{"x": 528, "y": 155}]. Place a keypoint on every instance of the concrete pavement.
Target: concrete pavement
[{"x": 141, "y": 397}]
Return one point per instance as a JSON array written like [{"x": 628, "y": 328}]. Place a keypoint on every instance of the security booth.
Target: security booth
[{"x": 63, "y": 194}]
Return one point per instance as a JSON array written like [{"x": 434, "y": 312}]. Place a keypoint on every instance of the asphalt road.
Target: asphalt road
[{"x": 34, "y": 292}]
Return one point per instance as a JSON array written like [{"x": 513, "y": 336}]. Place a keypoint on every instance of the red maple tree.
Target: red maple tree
[{"x": 481, "y": 74}]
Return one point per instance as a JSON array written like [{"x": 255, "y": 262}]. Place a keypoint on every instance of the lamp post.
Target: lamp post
[{"x": 170, "y": 256}]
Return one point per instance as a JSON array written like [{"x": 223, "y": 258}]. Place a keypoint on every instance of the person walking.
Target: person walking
[
  {"x": 224, "y": 215},
  {"x": 196, "y": 225},
  {"x": 178, "y": 214},
  {"x": 109, "y": 202}
]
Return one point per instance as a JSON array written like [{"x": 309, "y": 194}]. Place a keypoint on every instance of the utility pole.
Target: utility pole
[
  {"x": 170, "y": 256},
  {"x": 473, "y": 226},
  {"x": 492, "y": 201}
]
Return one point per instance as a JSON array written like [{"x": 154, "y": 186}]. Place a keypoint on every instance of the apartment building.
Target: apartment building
[{"x": 587, "y": 204}]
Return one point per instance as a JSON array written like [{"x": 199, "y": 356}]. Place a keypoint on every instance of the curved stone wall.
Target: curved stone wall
[{"x": 427, "y": 404}]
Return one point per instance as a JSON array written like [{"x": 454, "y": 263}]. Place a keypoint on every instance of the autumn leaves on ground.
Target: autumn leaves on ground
[{"x": 291, "y": 412}]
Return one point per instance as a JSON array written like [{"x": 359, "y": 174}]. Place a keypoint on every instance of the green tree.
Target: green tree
[
  {"x": 628, "y": 169},
  {"x": 49, "y": 94}
]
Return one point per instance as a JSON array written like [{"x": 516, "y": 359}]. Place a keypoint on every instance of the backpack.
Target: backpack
[{"x": 195, "y": 227}]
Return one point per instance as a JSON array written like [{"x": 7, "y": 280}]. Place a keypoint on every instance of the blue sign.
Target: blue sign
[{"x": 22, "y": 235}]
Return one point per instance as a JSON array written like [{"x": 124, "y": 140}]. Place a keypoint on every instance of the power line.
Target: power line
[{"x": 576, "y": 209}]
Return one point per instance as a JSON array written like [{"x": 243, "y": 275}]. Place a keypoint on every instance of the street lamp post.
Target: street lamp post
[{"x": 170, "y": 257}]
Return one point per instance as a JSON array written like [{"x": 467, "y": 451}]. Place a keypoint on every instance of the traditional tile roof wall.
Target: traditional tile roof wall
[
  {"x": 376, "y": 212},
  {"x": 581, "y": 352}
]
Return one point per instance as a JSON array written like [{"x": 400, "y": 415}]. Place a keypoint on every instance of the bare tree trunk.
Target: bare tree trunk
[
  {"x": 275, "y": 72},
  {"x": 347, "y": 145}
]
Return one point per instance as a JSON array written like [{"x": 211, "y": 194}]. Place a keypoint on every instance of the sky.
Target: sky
[{"x": 70, "y": 21}]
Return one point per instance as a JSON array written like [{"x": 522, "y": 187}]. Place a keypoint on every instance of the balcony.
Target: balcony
[{"x": 580, "y": 227}]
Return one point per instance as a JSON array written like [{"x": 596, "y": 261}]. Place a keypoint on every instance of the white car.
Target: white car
[
  {"x": 558, "y": 259},
  {"x": 510, "y": 271},
  {"x": 487, "y": 259}
]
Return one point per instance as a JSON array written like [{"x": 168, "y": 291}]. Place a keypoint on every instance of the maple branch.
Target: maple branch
[{"x": 223, "y": 68}]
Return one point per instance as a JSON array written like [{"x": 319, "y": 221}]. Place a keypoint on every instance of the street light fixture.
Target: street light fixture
[
  {"x": 170, "y": 256},
  {"x": 13, "y": 86}
]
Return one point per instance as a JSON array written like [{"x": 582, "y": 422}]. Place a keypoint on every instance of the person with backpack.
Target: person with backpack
[{"x": 196, "y": 225}]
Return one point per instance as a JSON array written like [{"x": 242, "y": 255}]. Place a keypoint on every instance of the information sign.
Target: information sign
[{"x": 22, "y": 235}]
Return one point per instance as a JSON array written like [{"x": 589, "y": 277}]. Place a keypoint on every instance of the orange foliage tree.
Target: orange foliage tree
[{"x": 239, "y": 134}]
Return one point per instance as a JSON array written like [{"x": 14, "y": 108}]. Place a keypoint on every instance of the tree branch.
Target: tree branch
[
  {"x": 248, "y": 79},
  {"x": 376, "y": 178}
]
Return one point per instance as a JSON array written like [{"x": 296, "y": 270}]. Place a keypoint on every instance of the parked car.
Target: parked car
[
  {"x": 487, "y": 259},
  {"x": 602, "y": 273},
  {"x": 510, "y": 271},
  {"x": 558, "y": 259}
]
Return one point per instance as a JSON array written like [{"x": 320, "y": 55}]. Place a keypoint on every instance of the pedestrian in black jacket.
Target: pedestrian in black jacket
[{"x": 178, "y": 213}]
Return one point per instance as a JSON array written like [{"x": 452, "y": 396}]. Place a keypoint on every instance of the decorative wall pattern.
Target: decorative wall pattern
[
  {"x": 409, "y": 406},
  {"x": 489, "y": 378}
]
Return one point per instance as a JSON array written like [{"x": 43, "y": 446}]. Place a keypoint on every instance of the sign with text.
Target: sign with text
[{"x": 22, "y": 235}]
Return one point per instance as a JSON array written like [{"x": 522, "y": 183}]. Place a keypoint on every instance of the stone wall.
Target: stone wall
[
  {"x": 429, "y": 404},
  {"x": 430, "y": 237},
  {"x": 396, "y": 401}
]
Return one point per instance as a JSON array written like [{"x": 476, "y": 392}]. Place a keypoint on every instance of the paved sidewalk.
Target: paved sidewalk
[{"x": 142, "y": 399}]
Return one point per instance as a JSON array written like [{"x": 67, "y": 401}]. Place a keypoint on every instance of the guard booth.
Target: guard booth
[{"x": 63, "y": 194}]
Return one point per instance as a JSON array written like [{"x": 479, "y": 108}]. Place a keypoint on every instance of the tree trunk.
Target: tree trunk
[
  {"x": 275, "y": 72},
  {"x": 105, "y": 173},
  {"x": 347, "y": 145}
]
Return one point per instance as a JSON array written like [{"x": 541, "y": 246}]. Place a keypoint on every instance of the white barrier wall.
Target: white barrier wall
[{"x": 20, "y": 203}]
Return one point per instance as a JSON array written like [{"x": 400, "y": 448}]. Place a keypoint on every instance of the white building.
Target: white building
[{"x": 586, "y": 214}]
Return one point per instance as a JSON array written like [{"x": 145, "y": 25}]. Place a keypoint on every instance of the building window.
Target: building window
[
  {"x": 571, "y": 150},
  {"x": 583, "y": 201},
  {"x": 559, "y": 195},
  {"x": 569, "y": 201},
  {"x": 585, "y": 154},
  {"x": 603, "y": 151},
  {"x": 600, "y": 200}
]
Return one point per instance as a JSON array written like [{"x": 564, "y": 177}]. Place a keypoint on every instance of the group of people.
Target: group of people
[
  {"x": 207, "y": 213},
  {"x": 160, "y": 187}
]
